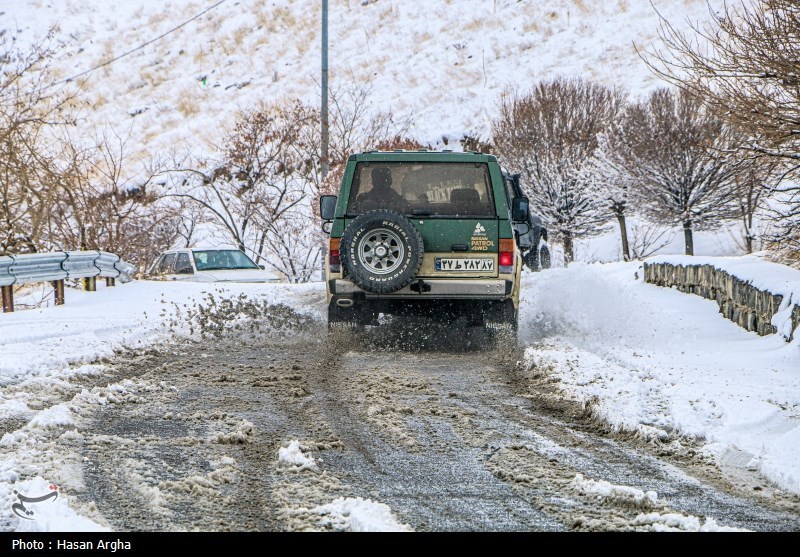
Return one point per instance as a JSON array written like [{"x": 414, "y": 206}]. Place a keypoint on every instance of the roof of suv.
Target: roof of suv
[
  {"x": 220, "y": 248},
  {"x": 423, "y": 155}
]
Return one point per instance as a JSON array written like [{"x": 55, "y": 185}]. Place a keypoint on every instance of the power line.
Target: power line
[{"x": 141, "y": 46}]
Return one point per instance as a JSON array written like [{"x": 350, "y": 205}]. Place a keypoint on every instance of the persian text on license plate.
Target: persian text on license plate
[{"x": 464, "y": 265}]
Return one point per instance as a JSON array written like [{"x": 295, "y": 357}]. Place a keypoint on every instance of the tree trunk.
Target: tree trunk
[
  {"x": 687, "y": 236},
  {"x": 569, "y": 252},
  {"x": 261, "y": 246},
  {"x": 623, "y": 231},
  {"x": 748, "y": 234}
]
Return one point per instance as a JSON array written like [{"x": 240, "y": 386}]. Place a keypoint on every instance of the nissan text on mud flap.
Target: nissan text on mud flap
[{"x": 424, "y": 232}]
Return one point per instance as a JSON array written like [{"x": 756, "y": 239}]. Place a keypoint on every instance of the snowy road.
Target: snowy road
[
  {"x": 448, "y": 440},
  {"x": 164, "y": 406}
]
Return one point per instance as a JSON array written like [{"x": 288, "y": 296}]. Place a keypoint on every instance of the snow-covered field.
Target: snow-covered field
[
  {"x": 645, "y": 359},
  {"x": 443, "y": 64}
]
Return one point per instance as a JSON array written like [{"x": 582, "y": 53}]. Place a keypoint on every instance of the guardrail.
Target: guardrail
[{"x": 57, "y": 266}]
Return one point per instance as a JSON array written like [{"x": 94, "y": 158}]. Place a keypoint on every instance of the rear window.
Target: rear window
[{"x": 415, "y": 188}]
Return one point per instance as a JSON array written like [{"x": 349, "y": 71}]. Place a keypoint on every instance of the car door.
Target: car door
[
  {"x": 167, "y": 266},
  {"x": 183, "y": 269}
]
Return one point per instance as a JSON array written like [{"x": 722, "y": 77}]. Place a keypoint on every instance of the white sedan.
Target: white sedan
[{"x": 209, "y": 265}]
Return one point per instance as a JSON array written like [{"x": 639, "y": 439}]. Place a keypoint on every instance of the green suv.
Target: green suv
[{"x": 424, "y": 232}]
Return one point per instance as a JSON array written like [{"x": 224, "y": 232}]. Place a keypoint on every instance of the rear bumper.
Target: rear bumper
[{"x": 434, "y": 289}]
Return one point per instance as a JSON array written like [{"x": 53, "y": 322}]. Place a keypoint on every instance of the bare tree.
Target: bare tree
[
  {"x": 192, "y": 215},
  {"x": 614, "y": 186},
  {"x": 617, "y": 198},
  {"x": 294, "y": 244},
  {"x": 785, "y": 240},
  {"x": 29, "y": 111},
  {"x": 227, "y": 206},
  {"x": 355, "y": 124},
  {"x": 261, "y": 192},
  {"x": 673, "y": 151},
  {"x": 753, "y": 188},
  {"x": 104, "y": 203},
  {"x": 550, "y": 136},
  {"x": 744, "y": 64},
  {"x": 253, "y": 192},
  {"x": 648, "y": 238}
]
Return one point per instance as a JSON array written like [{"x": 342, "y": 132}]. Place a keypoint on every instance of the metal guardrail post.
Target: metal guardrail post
[
  {"x": 58, "y": 287},
  {"x": 90, "y": 284},
  {"x": 110, "y": 281},
  {"x": 8, "y": 298}
]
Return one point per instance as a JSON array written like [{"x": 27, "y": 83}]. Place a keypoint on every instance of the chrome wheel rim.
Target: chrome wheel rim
[{"x": 381, "y": 251}]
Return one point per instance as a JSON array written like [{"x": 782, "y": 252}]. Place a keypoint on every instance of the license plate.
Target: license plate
[{"x": 476, "y": 265}]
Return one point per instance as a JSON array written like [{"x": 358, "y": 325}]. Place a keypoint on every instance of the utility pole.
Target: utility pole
[{"x": 324, "y": 108}]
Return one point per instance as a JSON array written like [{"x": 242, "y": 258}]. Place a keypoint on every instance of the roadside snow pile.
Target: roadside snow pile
[
  {"x": 648, "y": 360},
  {"x": 51, "y": 513},
  {"x": 293, "y": 456},
  {"x": 672, "y": 522},
  {"x": 774, "y": 278},
  {"x": 359, "y": 515},
  {"x": 620, "y": 494},
  {"x": 92, "y": 325}
]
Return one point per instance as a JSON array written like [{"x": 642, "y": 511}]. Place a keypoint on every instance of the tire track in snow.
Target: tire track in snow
[{"x": 450, "y": 440}]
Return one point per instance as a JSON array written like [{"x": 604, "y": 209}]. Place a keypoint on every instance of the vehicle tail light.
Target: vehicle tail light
[
  {"x": 505, "y": 259},
  {"x": 334, "y": 262}
]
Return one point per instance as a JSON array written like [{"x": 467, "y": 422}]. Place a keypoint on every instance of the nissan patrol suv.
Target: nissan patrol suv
[{"x": 424, "y": 232}]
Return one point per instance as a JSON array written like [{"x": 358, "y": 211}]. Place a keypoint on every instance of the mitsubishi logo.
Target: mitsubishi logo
[{"x": 479, "y": 230}]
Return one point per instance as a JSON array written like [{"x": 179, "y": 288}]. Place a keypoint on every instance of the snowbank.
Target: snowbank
[
  {"x": 46, "y": 342},
  {"x": 751, "y": 298},
  {"x": 355, "y": 514},
  {"x": 661, "y": 363}
]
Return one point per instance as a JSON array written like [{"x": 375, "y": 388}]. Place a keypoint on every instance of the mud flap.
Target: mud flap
[{"x": 500, "y": 322}]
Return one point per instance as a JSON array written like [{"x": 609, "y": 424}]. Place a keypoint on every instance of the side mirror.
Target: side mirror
[
  {"x": 327, "y": 207},
  {"x": 262, "y": 267},
  {"x": 519, "y": 209}
]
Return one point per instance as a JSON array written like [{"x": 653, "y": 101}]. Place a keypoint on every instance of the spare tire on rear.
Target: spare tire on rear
[{"x": 381, "y": 251}]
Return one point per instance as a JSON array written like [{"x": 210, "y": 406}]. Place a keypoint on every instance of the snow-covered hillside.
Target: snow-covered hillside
[{"x": 441, "y": 63}]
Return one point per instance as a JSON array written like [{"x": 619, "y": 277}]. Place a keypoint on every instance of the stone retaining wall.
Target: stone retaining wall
[{"x": 737, "y": 299}]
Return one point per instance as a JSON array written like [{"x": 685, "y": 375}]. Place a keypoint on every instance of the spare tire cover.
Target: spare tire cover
[{"x": 381, "y": 251}]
